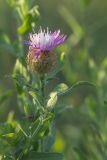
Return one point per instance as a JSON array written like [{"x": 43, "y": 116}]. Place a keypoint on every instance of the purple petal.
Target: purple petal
[
  {"x": 45, "y": 40},
  {"x": 27, "y": 42},
  {"x": 37, "y": 53}
]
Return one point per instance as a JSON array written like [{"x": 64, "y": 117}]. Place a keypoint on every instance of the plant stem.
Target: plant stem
[{"x": 42, "y": 79}]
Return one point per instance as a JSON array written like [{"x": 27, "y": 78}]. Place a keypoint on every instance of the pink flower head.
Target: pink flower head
[{"x": 44, "y": 40}]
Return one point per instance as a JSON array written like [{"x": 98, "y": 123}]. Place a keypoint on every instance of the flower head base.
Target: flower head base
[
  {"x": 45, "y": 62},
  {"x": 40, "y": 57}
]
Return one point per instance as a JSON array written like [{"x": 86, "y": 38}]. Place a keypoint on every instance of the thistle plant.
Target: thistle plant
[
  {"x": 41, "y": 58},
  {"x": 32, "y": 136}
]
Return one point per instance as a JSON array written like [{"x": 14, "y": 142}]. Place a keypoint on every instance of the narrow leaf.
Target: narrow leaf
[{"x": 80, "y": 83}]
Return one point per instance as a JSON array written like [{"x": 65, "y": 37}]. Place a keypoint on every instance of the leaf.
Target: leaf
[
  {"x": 26, "y": 26},
  {"x": 9, "y": 135},
  {"x": 22, "y": 130},
  {"x": 29, "y": 20},
  {"x": 37, "y": 98},
  {"x": 52, "y": 100},
  {"x": 6, "y": 95},
  {"x": 62, "y": 87},
  {"x": 46, "y": 123},
  {"x": 19, "y": 89},
  {"x": 45, "y": 156},
  {"x": 41, "y": 125},
  {"x": 78, "y": 84},
  {"x": 5, "y": 42},
  {"x": 35, "y": 125},
  {"x": 22, "y": 84},
  {"x": 4, "y": 39},
  {"x": 49, "y": 140},
  {"x": 20, "y": 69},
  {"x": 7, "y": 158},
  {"x": 28, "y": 109},
  {"x": 21, "y": 76},
  {"x": 34, "y": 12},
  {"x": 5, "y": 128}
]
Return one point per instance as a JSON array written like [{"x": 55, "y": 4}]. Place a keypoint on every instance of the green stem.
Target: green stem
[{"x": 42, "y": 79}]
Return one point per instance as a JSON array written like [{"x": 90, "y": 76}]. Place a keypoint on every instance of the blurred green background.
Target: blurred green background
[{"x": 82, "y": 128}]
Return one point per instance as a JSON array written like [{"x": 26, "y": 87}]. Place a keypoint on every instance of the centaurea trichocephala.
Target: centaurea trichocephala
[{"x": 41, "y": 57}]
